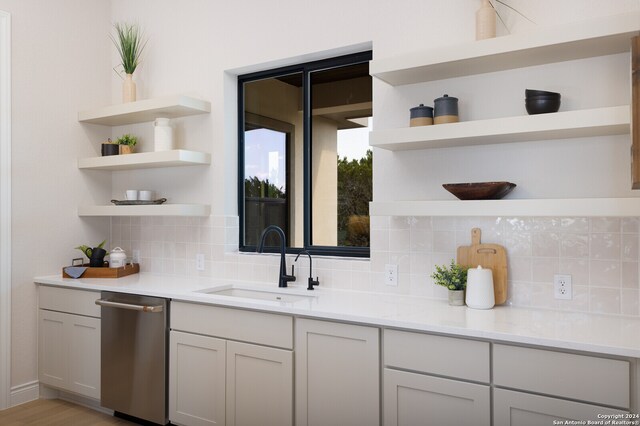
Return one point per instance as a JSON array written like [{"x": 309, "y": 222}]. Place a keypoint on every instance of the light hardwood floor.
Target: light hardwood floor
[{"x": 56, "y": 412}]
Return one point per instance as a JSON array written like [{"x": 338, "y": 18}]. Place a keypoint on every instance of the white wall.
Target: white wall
[{"x": 59, "y": 62}]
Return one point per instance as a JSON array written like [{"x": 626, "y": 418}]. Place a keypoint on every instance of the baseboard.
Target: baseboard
[
  {"x": 24, "y": 393},
  {"x": 91, "y": 403}
]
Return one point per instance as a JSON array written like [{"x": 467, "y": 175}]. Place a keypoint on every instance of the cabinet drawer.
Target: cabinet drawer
[
  {"x": 447, "y": 356},
  {"x": 512, "y": 408},
  {"x": 80, "y": 302},
  {"x": 592, "y": 379},
  {"x": 235, "y": 324},
  {"x": 410, "y": 399}
]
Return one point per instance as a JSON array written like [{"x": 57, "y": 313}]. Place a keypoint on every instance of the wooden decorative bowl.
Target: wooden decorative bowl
[{"x": 480, "y": 190}]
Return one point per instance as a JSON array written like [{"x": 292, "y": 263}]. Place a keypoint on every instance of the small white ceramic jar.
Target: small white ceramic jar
[
  {"x": 163, "y": 135},
  {"x": 117, "y": 258},
  {"x": 480, "y": 293}
]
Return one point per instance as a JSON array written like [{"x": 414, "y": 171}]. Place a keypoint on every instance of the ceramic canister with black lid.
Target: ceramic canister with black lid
[
  {"x": 421, "y": 116},
  {"x": 446, "y": 110}
]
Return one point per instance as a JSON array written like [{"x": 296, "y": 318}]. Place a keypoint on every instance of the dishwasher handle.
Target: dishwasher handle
[{"x": 141, "y": 308}]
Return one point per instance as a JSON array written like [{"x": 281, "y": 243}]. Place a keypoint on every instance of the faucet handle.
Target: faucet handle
[{"x": 313, "y": 282}]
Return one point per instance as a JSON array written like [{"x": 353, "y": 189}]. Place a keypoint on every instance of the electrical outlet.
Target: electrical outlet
[
  {"x": 135, "y": 256},
  {"x": 562, "y": 288},
  {"x": 391, "y": 275},
  {"x": 199, "y": 262}
]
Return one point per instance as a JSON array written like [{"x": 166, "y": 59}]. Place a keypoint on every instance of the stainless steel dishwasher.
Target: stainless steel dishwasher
[{"x": 134, "y": 351}]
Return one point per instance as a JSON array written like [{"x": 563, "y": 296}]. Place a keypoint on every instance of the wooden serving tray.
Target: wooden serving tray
[{"x": 106, "y": 272}]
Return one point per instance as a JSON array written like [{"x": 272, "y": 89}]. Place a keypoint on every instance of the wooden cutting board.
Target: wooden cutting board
[{"x": 491, "y": 256}]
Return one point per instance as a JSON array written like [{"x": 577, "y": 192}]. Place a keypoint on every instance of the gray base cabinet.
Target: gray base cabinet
[
  {"x": 417, "y": 399},
  {"x": 216, "y": 380},
  {"x": 511, "y": 408},
  {"x": 69, "y": 341},
  {"x": 337, "y": 374},
  {"x": 430, "y": 393}
]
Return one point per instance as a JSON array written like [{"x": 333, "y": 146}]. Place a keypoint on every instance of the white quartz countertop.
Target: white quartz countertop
[{"x": 604, "y": 334}]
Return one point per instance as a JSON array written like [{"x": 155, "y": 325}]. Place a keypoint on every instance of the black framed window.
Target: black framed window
[{"x": 304, "y": 162}]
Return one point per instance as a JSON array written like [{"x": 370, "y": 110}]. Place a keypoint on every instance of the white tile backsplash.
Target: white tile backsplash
[{"x": 601, "y": 254}]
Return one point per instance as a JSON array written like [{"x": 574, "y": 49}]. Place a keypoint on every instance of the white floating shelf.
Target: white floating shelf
[
  {"x": 576, "y": 207},
  {"x": 145, "y": 110},
  {"x": 148, "y": 210},
  {"x": 584, "y": 39},
  {"x": 560, "y": 125},
  {"x": 146, "y": 160}
]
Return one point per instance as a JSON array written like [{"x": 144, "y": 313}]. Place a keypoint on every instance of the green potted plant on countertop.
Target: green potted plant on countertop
[
  {"x": 96, "y": 254},
  {"x": 454, "y": 278},
  {"x": 127, "y": 142}
]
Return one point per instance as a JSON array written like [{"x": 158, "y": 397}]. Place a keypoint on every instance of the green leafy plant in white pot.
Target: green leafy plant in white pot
[
  {"x": 129, "y": 41},
  {"x": 454, "y": 278}
]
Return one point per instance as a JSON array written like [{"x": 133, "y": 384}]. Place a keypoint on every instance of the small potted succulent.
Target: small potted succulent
[
  {"x": 127, "y": 142},
  {"x": 454, "y": 278}
]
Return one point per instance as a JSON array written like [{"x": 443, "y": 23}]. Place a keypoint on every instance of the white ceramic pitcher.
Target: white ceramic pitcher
[{"x": 163, "y": 135}]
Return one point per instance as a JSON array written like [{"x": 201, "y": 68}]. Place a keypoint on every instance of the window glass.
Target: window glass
[
  {"x": 341, "y": 162},
  {"x": 272, "y": 131}
]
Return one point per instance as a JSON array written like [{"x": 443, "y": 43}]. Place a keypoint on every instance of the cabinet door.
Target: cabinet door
[
  {"x": 52, "y": 349},
  {"x": 337, "y": 374},
  {"x": 416, "y": 399},
  {"x": 83, "y": 334},
  {"x": 259, "y": 385},
  {"x": 511, "y": 408},
  {"x": 196, "y": 379}
]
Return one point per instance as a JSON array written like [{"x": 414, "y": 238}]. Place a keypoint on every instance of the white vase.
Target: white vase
[
  {"x": 163, "y": 135},
  {"x": 485, "y": 21},
  {"x": 128, "y": 89},
  {"x": 480, "y": 293}
]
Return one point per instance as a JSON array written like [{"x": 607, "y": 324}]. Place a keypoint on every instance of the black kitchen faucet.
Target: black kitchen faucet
[{"x": 284, "y": 278}]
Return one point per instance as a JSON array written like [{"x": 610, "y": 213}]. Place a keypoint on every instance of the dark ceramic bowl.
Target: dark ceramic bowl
[
  {"x": 479, "y": 190},
  {"x": 542, "y": 106},
  {"x": 531, "y": 92},
  {"x": 537, "y": 97}
]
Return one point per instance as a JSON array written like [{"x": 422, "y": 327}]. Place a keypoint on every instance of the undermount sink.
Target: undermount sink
[{"x": 256, "y": 294}]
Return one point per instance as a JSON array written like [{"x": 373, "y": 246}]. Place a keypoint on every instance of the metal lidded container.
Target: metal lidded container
[
  {"x": 446, "y": 110},
  {"x": 421, "y": 116}
]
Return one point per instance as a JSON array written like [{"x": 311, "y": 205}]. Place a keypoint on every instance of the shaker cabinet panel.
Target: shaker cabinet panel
[
  {"x": 52, "y": 349},
  {"x": 84, "y": 355},
  {"x": 511, "y": 408},
  {"x": 416, "y": 399},
  {"x": 196, "y": 379},
  {"x": 259, "y": 385},
  {"x": 337, "y": 374},
  {"x": 69, "y": 352}
]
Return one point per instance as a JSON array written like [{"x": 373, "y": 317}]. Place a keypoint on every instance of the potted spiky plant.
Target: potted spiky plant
[
  {"x": 129, "y": 41},
  {"x": 454, "y": 278},
  {"x": 96, "y": 254}
]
